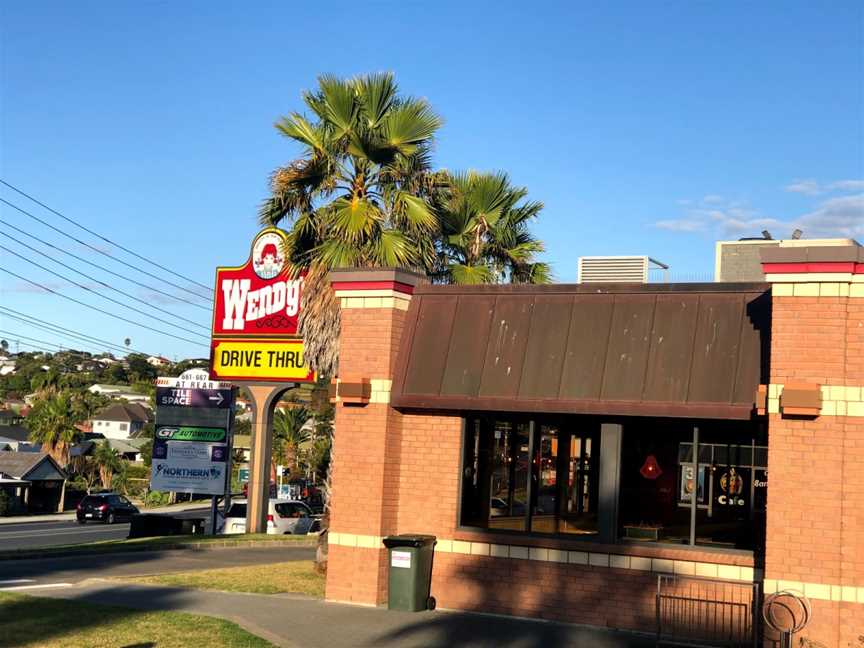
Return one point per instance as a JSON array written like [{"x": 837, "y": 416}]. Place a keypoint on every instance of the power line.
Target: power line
[
  {"x": 102, "y": 283},
  {"x": 61, "y": 331},
  {"x": 97, "y": 250},
  {"x": 88, "y": 289},
  {"x": 16, "y": 336},
  {"x": 99, "y": 236},
  {"x": 99, "y": 310},
  {"x": 103, "y": 268},
  {"x": 32, "y": 346}
]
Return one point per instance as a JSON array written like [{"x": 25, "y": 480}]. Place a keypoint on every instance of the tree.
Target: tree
[
  {"x": 47, "y": 382},
  {"x": 139, "y": 369},
  {"x": 485, "y": 236},
  {"x": 52, "y": 423},
  {"x": 289, "y": 435},
  {"x": 4, "y": 345},
  {"x": 358, "y": 194},
  {"x": 107, "y": 459}
]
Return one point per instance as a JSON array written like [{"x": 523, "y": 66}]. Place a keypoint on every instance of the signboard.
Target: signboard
[
  {"x": 186, "y": 397},
  {"x": 255, "y": 316},
  {"x": 265, "y": 360},
  {"x": 193, "y": 379},
  {"x": 258, "y": 298},
  {"x": 192, "y": 445},
  {"x": 190, "y": 433}
]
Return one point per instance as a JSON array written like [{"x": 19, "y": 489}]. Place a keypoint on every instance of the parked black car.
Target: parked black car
[{"x": 105, "y": 507}]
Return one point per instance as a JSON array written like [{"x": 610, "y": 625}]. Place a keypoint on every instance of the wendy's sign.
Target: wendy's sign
[{"x": 258, "y": 298}]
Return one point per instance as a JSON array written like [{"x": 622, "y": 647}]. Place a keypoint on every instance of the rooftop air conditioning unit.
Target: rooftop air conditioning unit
[{"x": 616, "y": 269}]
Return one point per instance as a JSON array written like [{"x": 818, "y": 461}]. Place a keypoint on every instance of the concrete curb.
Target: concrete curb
[
  {"x": 180, "y": 546},
  {"x": 70, "y": 515}
]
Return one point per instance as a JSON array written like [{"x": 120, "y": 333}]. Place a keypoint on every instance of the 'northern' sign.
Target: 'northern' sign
[
  {"x": 258, "y": 298},
  {"x": 265, "y": 360}
]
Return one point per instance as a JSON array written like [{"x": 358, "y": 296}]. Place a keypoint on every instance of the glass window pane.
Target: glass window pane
[
  {"x": 544, "y": 510},
  {"x": 579, "y": 503},
  {"x": 509, "y": 480},
  {"x": 655, "y": 485}
]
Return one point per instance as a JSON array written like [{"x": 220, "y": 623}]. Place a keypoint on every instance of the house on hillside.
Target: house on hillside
[
  {"x": 16, "y": 438},
  {"x": 121, "y": 421},
  {"x": 124, "y": 448},
  {"x": 33, "y": 481},
  {"x": 158, "y": 361},
  {"x": 9, "y": 417},
  {"x": 119, "y": 391},
  {"x": 7, "y": 366}
]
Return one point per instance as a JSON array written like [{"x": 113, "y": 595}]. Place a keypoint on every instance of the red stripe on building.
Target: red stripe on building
[{"x": 821, "y": 267}]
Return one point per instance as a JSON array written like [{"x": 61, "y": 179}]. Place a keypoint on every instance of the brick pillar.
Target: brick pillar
[
  {"x": 367, "y": 431},
  {"x": 815, "y": 524}
]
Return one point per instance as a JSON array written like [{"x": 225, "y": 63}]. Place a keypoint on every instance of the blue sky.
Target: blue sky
[{"x": 645, "y": 127}]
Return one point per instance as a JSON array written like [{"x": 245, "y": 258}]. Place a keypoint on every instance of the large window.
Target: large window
[
  {"x": 543, "y": 476},
  {"x": 660, "y": 479},
  {"x": 530, "y": 475}
]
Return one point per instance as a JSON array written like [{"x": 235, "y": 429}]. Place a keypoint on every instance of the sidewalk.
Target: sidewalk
[
  {"x": 70, "y": 515},
  {"x": 293, "y": 621}
]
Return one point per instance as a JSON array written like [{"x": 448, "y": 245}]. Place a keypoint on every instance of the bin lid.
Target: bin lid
[{"x": 409, "y": 540}]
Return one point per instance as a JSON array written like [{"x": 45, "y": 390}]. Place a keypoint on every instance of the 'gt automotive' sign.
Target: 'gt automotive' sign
[{"x": 258, "y": 298}]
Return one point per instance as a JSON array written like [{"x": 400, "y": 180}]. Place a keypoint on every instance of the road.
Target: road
[
  {"x": 30, "y": 535},
  {"x": 50, "y": 573}
]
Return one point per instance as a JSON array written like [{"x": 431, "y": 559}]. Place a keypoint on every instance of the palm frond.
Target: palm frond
[
  {"x": 339, "y": 104},
  {"x": 376, "y": 93},
  {"x": 409, "y": 124},
  {"x": 299, "y": 129},
  {"x": 470, "y": 274}
]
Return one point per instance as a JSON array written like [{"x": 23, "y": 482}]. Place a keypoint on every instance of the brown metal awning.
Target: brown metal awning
[{"x": 691, "y": 350}]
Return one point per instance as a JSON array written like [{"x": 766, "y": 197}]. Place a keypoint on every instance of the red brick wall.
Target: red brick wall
[
  {"x": 365, "y": 472},
  {"x": 815, "y": 521}
]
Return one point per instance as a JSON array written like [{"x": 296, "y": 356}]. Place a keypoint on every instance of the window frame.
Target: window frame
[{"x": 611, "y": 436}]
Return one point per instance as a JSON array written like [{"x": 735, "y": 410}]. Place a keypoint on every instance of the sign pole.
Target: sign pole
[
  {"x": 214, "y": 510},
  {"x": 254, "y": 343}
]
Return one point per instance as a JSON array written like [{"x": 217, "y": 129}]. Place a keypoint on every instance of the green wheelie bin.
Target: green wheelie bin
[{"x": 410, "y": 576}]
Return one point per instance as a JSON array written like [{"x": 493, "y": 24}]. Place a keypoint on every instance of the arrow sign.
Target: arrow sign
[{"x": 183, "y": 397}]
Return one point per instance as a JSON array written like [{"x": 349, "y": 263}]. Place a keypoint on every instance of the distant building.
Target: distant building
[
  {"x": 121, "y": 421},
  {"x": 34, "y": 481},
  {"x": 7, "y": 365},
  {"x": 158, "y": 361},
  {"x": 16, "y": 438},
  {"x": 741, "y": 261},
  {"x": 119, "y": 391}
]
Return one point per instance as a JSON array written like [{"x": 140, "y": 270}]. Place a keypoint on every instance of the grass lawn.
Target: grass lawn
[
  {"x": 32, "y": 622},
  {"x": 297, "y": 577},
  {"x": 107, "y": 546}
]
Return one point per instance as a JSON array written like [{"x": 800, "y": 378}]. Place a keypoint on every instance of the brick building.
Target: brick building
[{"x": 568, "y": 445}]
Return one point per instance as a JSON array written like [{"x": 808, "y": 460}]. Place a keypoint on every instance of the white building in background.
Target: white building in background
[
  {"x": 119, "y": 391},
  {"x": 121, "y": 421},
  {"x": 158, "y": 361}
]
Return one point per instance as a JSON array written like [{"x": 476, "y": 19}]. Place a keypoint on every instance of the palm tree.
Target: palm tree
[
  {"x": 289, "y": 435},
  {"x": 108, "y": 461},
  {"x": 484, "y": 232},
  {"x": 52, "y": 423},
  {"x": 47, "y": 382},
  {"x": 358, "y": 194}
]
